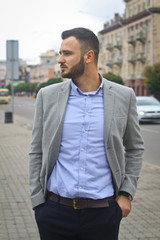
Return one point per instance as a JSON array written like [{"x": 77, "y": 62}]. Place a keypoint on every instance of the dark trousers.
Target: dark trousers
[{"x": 59, "y": 222}]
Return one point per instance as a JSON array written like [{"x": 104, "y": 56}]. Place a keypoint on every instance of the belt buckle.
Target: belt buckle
[{"x": 74, "y": 205}]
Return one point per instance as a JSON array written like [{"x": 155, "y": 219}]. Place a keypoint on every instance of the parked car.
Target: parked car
[{"x": 148, "y": 109}]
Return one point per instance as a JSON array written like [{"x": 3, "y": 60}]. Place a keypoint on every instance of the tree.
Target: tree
[
  {"x": 49, "y": 82},
  {"x": 152, "y": 74},
  {"x": 113, "y": 78},
  {"x": 33, "y": 88}
]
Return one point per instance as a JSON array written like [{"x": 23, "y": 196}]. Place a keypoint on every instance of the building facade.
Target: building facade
[
  {"x": 48, "y": 56},
  {"x": 130, "y": 43},
  {"x": 41, "y": 72},
  {"x": 47, "y": 69},
  {"x": 23, "y": 71}
]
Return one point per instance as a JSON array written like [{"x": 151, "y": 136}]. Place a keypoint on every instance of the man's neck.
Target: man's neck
[{"x": 88, "y": 82}]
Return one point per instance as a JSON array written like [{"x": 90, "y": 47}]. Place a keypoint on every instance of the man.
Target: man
[{"x": 86, "y": 150}]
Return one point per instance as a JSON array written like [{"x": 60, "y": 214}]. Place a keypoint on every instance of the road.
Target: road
[
  {"x": 24, "y": 107},
  {"x": 151, "y": 136}
]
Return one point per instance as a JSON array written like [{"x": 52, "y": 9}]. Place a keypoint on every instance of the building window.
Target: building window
[
  {"x": 137, "y": 90},
  {"x": 149, "y": 46},
  {"x": 144, "y": 5},
  {"x": 139, "y": 68},
  {"x": 131, "y": 12},
  {"x": 139, "y": 48},
  {"x": 117, "y": 37},
  {"x": 135, "y": 10},
  {"x": 149, "y": 26},
  {"x": 143, "y": 88},
  {"x": 139, "y": 7},
  {"x": 149, "y": 2},
  {"x": 144, "y": 49},
  {"x": 141, "y": 25},
  {"x": 112, "y": 38},
  {"x": 130, "y": 69}
]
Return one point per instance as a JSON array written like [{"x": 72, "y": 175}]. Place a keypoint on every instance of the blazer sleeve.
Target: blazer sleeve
[
  {"x": 134, "y": 148},
  {"x": 35, "y": 155}
]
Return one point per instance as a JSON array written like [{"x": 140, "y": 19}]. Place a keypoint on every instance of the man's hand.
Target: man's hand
[{"x": 125, "y": 205}]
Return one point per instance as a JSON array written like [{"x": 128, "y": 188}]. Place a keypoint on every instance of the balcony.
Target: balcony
[
  {"x": 131, "y": 76},
  {"x": 141, "y": 57},
  {"x": 118, "y": 60},
  {"x": 132, "y": 59},
  {"x": 131, "y": 39},
  {"x": 141, "y": 36},
  {"x": 109, "y": 63},
  {"x": 109, "y": 46},
  {"x": 139, "y": 76},
  {"x": 117, "y": 44}
]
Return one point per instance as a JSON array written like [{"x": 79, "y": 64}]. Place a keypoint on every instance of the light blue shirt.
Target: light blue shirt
[{"x": 82, "y": 169}]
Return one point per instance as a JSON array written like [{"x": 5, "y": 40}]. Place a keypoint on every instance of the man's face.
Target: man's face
[{"x": 71, "y": 60}]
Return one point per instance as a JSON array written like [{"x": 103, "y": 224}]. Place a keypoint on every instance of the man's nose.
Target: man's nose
[{"x": 61, "y": 59}]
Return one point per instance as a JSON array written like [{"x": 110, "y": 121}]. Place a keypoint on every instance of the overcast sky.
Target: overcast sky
[{"x": 37, "y": 24}]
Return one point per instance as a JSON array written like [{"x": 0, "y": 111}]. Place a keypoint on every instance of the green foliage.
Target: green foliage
[
  {"x": 54, "y": 80},
  {"x": 49, "y": 82},
  {"x": 25, "y": 87},
  {"x": 152, "y": 74},
  {"x": 113, "y": 78},
  {"x": 9, "y": 87},
  {"x": 33, "y": 88}
]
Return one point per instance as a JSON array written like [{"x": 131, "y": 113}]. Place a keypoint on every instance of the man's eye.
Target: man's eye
[{"x": 67, "y": 53}]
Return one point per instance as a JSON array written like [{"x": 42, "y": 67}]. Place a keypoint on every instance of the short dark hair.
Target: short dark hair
[{"x": 88, "y": 40}]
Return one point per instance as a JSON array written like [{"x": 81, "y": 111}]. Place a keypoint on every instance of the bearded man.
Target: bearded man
[{"x": 86, "y": 150}]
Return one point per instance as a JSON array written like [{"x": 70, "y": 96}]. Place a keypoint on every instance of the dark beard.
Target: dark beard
[{"x": 76, "y": 71}]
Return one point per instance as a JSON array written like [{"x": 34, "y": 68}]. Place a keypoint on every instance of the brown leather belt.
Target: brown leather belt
[{"x": 80, "y": 203}]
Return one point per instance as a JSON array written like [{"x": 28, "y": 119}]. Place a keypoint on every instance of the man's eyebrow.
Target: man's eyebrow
[{"x": 65, "y": 51}]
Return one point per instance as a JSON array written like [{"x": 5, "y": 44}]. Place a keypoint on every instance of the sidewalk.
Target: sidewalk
[{"x": 16, "y": 216}]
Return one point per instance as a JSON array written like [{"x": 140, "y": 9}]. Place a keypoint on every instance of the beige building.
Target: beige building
[
  {"x": 129, "y": 43},
  {"x": 41, "y": 73},
  {"x": 47, "y": 69},
  {"x": 48, "y": 56}
]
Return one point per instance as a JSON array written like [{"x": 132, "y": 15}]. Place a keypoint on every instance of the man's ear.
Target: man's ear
[{"x": 89, "y": 56}]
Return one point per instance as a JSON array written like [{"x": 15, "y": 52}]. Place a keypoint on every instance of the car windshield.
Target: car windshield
[{"x": 147, "y": 102}]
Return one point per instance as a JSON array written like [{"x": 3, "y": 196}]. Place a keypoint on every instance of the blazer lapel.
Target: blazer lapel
[
  {"x": 63, "y": 96},
  {"x": 108, "y": 109},
  {"x": 62, "y": 100}
]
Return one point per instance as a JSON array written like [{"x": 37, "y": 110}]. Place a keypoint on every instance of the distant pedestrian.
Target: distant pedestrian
[{"x": 86, "y": 150}]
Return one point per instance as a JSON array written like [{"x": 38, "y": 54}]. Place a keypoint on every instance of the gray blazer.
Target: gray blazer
[{"x": 123, "y": 141}]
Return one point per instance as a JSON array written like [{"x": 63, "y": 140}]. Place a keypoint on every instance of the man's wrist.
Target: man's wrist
[{"x": 122, "y": 193}]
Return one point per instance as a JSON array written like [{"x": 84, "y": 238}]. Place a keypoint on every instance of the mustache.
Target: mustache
[{"x": 63, "y": 65}]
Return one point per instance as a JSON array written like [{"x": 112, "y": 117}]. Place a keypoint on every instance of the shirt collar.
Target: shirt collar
[{"x": 77, "y": 91}]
